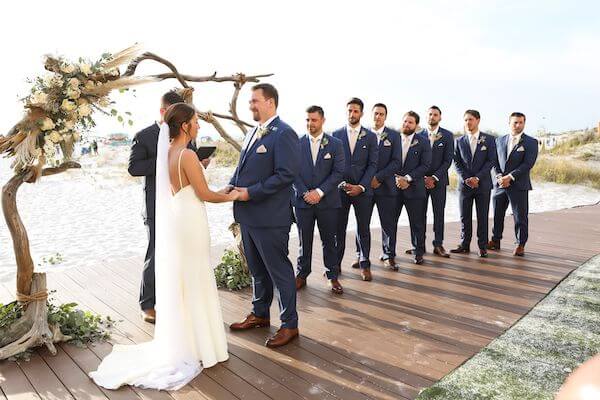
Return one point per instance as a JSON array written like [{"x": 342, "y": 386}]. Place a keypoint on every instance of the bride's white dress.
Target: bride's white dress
[{"x": 189, "y": 333}]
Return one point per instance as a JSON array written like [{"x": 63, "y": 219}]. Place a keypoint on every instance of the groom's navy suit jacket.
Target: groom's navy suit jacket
[
  {"x": 326, "y": 174},
  {"x": 479, "y": 165},
  {"x": 268, "y": 169}
]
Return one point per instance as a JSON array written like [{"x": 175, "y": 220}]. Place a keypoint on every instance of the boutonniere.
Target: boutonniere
[
  {"x": 362, "y": 134},
  {"x": 324, "y": 142},
  {"x": 414, "y": 143},
  {"x": 262, "y": 131},
  {"x": 481, "y": 140},
  {"x": 437, "y": 137},
  {"x": 383, "y": 135}
]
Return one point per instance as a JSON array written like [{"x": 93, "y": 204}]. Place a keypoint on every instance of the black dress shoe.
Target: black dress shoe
[
  {"x": 410, "y": 251},
  {"x": 483, "y": 253},
  {"x": 356, "y": 265},
  {"x": 460, "y": 249},
  {"x": 419, "y": 260}
]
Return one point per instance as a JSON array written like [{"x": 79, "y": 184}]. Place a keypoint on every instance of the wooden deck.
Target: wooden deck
[{"x": 385, "y": 339}]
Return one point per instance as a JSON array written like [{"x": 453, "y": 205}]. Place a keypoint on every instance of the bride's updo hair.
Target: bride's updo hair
[{"x": 176, "y": 115}]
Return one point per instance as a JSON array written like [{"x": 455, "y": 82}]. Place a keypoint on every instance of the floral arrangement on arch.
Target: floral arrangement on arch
[{"x": 61, "y": 105}]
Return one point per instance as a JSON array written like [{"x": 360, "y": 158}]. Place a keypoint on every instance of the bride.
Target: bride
[{"x": 189, "y": 333}]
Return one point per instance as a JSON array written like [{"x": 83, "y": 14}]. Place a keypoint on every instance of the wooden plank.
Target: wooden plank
[
  {"x": 14, "y": 382},
  {"x": 43, "y": 379}
]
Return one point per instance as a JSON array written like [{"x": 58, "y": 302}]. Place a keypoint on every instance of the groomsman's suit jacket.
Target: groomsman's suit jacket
[
  {"x": 442, "y": 153},
  {"x": 360, "y": 166},
  {"x": 268, "y": 169},
  {"x": 326, "y": 174},
  {"x": 389, "y": 161},
  {"x": 480, "y": 165},
  {"x": 417, "y": 163},
  {"x": 518, "y": 164}
]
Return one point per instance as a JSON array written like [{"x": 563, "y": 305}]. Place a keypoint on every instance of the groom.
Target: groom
[{"x": 269, "y": 163}]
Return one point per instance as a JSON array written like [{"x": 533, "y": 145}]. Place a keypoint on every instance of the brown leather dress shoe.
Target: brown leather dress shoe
[
  {"x": 440, "y": 251},
  {"x": 365, "y": 273},
  {"x": 519, "y": 251},
  {"x": 300, "y": 283},
  {"x": 335, "y": 286},
  {"x": 419, "y": 260},
  {"x": 149, "y": 315},
  {"x": 282, "y": 337},
  {"x": 493, "y": 245},
  {"x": 251, "y": 321},
  {"x": 390, "y": 263},
  {"x": 355, "y": 265},
  {"x": 409, "y": 251},
  {"x": 460, "y": 249}
]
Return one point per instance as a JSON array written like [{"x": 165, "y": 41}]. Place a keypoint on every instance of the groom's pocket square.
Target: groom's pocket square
[
  {"x": 521, "y": 148},
  {"x": 261, "y": 149},
  {"x": 387, "y": 143},
  {"x": 327, "y": 156}
]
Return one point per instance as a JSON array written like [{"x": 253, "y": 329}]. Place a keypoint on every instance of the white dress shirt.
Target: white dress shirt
[
  {"x": 406, "y": 142},
  {"x": 254, "y": 136},
  {"x": 353, "y": 136}
]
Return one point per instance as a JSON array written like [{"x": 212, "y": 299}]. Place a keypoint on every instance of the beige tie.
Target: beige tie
[
  {"x": 431, "y": 139},
  {"x": 405, "y": 147},
  {"x": 352, "y": 139},
  {"x": 473, "y": 141},
  {"x": 314, "y": 148},
  {"x": 511, "y": 146}
]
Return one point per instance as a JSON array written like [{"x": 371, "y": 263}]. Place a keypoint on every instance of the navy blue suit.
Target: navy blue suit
[
  {"x": 417, "y": 163},
  {"x": 389, "y": 160},
  {"x": 442, "y": 152},
  {"x": 479, "y": 166},
  {"x": 268, "y": 169},
  {"x": 325, "y": 175},
  {"x": 518, "y": 164},
  {"x": 359, "y": 169}
]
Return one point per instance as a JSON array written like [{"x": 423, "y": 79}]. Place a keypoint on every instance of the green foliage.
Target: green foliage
[
  {"x": 230, "y": 273},
  {"x": 226, "y": 155},
  {"x": 83, "y": 326},
  {"x": 54, "y": 259},
  {"x": 9, "y": 313}
]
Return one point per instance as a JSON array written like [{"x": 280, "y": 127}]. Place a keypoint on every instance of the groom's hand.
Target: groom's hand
[
  {"x": 244, "y": 196},
  {"x": 226, "y": 189}
]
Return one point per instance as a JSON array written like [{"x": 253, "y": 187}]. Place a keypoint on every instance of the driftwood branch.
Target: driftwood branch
[{"x": 209, "y": 117}]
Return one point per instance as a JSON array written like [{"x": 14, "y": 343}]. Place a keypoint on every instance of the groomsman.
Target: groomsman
[
  {"x": 269, "y": 163},
  {"x": 360, "y": 153},
  {"x": 436, "y": 178},
  {"x": 389, "y": 159},
  {"x": 317, "y": 197},
  {"x": 415, "y": 162},
  {"x": 517, "y": 153},
  {"x": 474, "y": 156}
]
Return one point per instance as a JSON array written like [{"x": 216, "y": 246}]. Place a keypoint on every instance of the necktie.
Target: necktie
[
  {"x": 405, "y": 147},
  {"x": 511, "y": 146},
  {"x": 473, "y": 141},
  {"x": 314, "y": 148},
  {"x": 431, "y": 139},
  {"x": 353, "y": 136}
]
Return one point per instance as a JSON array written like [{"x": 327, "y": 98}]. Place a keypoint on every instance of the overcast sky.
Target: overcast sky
[{"x": 494, "y": 56}]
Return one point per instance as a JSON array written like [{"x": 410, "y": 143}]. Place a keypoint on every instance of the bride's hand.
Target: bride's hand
[{"x": 233, "y": 195}]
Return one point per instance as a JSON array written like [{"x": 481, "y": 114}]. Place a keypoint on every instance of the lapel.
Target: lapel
[
  {"x": 464, "y": 141},
  {"x": 519, "y": 143},
  {"x": 306, "y": 143},
  {"x": 321, "y": 152},
  {"x": 357, "y": 146},
  {"x": 344, "y": 139},
  {"x": 254, "y": 146},
  {"x": 415, "y": 139}
]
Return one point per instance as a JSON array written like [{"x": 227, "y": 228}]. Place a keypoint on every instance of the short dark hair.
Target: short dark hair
[
  {"x": 357, "y": 101},
  {"x": 380, "y": 105},
  {"x": 171, "y": 97},
  {"x": 518, "y": 115},
  {"x": 414, "y": 115},
  {"x": 435, "y": 108},
  {"x": 269, "y": 92},
  {"x": 473, "y": 113},
  {"x": 316, "y": 109}
]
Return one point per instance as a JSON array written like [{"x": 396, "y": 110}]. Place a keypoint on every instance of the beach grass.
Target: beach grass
[{"x": 565, "y": 171}]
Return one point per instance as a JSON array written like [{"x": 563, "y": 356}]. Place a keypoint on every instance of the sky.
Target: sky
[{"x": 540, "y": 58}]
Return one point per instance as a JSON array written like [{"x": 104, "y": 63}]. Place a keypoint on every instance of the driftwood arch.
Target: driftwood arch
[{"x": 32, "y": 329}]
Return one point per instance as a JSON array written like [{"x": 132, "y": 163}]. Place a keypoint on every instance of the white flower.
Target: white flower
[
  {"x": 52, "y": 80},
  {"x": 73, "y": 93},
  {"x": 39, "y": 98},
  {"x": 74, "y": 83},
  {"x": 49, "y": 149},
  {"x": 85, "y": 68},
  {"x": 114, "y": 71},
  {"x": 104, "y": 102},
  {"x": 67, "y": 68},
  {"x": 55, "y": 136},
  {"x": 47, "y": 124},
  {"x": 84, "y": 110},
  {"x": 89, "y": 85},
  {"x": 68, "y": 105}
]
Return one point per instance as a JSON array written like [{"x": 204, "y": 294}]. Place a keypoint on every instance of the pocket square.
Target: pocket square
[
  {"x": 261, "y": 149},
  {"x": 483, "y": 148},
  {"x": 327, "y": 156},
  {"x": 521, "y": 148},
  {"x": 387, "y": 143},
  {"x": 365, "y": 146},
  {"x": 440, "y": 145}
]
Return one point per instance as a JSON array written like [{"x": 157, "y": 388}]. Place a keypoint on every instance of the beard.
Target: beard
[
  {"x": 353, "y": 121},
  {"x": 408, "y": 132},
  {"x": 255, "y": 115}
]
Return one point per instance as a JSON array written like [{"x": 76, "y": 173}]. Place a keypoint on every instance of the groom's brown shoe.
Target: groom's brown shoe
[
  {"x": 282, "y": 337},
  {"x": 149, "y": 315},
  {"x": 300, "y": 283},
  {"x": 251, "y": 321}
]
